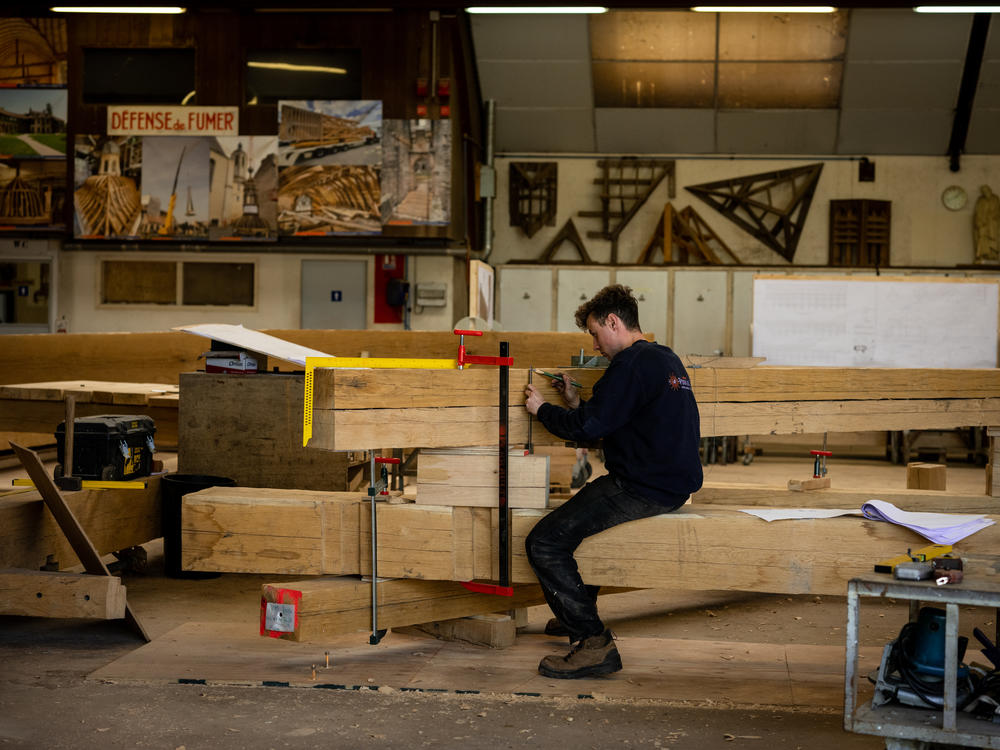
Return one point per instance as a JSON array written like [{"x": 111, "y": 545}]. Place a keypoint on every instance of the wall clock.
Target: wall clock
[{"x": 954, "y": 198}]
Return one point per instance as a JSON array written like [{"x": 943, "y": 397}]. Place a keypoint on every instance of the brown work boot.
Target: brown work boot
[
  {"x": 590, "y": 656},
  {"x": 556, "y": 628}
]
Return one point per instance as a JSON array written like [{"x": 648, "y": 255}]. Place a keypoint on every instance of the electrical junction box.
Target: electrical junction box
[{"x": 431, "y": 294}]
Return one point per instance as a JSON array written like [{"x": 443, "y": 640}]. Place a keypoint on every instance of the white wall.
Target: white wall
[
  {"x": 278, "y": 293},
  {"x": 924, "y": 232}
]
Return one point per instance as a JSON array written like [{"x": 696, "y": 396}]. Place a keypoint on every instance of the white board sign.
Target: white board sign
[
  {"x": 875, "y": 322},
  {"x": 127, "y": 119}
]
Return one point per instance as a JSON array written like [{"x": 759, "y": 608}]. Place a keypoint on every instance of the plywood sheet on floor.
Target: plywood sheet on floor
[{"x": 662, "y": 669}]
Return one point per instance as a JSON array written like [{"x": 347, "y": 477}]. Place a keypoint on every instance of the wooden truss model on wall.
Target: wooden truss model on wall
[
  {"x": 684, "y": 237},
  {"x": 532, "y": 194},
  {"x": 626, "y": 184},
  {"x": 771, "y": 206},
  {"x": 570, "y": 234}
]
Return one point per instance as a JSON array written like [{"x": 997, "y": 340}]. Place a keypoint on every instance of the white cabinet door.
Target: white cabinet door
[
  {"x": 650, "y": 289},
  {"x": 525, "y": 299},
  {"x": 575, "y": 287},
  {"x": 700, "y": 312},
  {"x": 742, "y": 313}
]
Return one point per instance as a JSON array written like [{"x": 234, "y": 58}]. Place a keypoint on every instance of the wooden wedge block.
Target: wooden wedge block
[
  {"x": 816, "y": 483},
  {"x": 39, "y": 593},
  {"x": 470, "y": 477},
  {"x": 925, "y": 476},
  {"x": 331, "y": 606},
  {"x": 492, "y": 630}
]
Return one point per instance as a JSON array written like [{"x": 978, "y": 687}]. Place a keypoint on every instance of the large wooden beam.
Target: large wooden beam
[
  {"x": 37, "y": 593},
  {"x": 249, "y": 428},
  {"x": 251, "y": 530},
  {"x": 695, "y": 548},
  {"x": 331, "y": 606},
  {"x": 752, "y": 495},
  {"x": 160, "y": 357},
  {"x": 358, "y": 409},
  {"x": 113, "y": 519}
]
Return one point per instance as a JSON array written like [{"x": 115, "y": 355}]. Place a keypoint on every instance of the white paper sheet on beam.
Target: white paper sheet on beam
[
  {"x": 875, "y": 323},
  {"x": 254, "y": 341}
]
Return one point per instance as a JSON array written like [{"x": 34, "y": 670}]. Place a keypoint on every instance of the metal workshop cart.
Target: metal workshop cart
[{"x": 906, "y": 726}]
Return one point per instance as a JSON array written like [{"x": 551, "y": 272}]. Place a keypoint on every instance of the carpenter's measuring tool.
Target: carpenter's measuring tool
[
  {"x": 378, "y": 487},
  {"x": 374, "y": 363},
  {"x": 93, "y": 484},
  {"x": 503, "y": 362},
  {"x": 924, "y": 554}
]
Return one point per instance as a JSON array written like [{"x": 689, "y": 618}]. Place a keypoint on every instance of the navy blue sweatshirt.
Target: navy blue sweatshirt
[{"x": 645, "y": 411}]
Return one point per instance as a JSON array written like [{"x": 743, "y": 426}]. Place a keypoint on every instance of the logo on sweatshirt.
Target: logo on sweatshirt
[{"x": 678, "y": 383}]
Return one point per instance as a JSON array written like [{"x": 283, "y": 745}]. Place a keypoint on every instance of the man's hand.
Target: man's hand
[
  {"x": 568, "y": 391},
  {"x": 533, "y": 399}
]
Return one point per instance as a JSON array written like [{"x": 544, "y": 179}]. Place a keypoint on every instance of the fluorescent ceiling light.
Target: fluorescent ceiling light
[
  {"x": 957, "y": 9},
  {"x": 116, "y": 9},
  {"x": 764, "y": 9},
  {"x": 297, "y": 68},
  {"x": 538, "y": 9}
]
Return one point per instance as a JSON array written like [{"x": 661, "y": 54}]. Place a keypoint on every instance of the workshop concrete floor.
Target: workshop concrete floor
[{"x": 702, "y": 669}]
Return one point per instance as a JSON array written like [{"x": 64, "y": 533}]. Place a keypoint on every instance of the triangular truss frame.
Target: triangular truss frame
[
  {"x": 626, "y": 185},
  {"x": 686, "y": 234},
  {"x": 751, "y": 203},
  {"x": 570, "y": 234}
]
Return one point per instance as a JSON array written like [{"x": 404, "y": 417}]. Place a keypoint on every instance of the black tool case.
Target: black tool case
[{"x": 109, "y": 447}]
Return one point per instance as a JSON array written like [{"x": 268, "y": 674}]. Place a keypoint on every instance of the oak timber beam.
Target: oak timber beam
[
  {"x": 752, "y": 495},
  {"x": 440, "y": 427},
  {"x": 160, "y": 357},
  {"x": 330, "y": 606},
  {"x": 20, "y": 416},
  {"x": 38, "y": 593},
  {"x": 699, "y": 547}
]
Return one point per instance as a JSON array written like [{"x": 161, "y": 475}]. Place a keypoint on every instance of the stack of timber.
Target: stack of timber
[
  {"x": 458, "y": 407},
  {"x": 699, "y": 547},
  {"x": 469, "y": 477},
  {"x": 161, "y": 357},
  {"x": 249, "y": 428},
  {"x": 38, "y": 408}
]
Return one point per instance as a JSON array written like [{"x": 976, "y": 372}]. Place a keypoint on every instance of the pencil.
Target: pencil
[{"x": 556, "y": 377}]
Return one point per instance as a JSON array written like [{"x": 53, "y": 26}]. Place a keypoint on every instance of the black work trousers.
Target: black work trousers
[{"x": 599, "y": 505}]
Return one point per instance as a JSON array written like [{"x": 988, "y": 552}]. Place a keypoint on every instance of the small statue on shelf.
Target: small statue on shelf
[{"x": 986, "y": 226}]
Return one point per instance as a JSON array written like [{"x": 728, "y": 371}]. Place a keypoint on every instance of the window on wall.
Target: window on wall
[
  {"x": 187, "y": 283},
  {"x": 684, "y": 59},
  {"x": 138, "y": 76}
]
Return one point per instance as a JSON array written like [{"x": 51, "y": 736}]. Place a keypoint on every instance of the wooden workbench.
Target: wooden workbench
[{"x": 40, "y": 407}]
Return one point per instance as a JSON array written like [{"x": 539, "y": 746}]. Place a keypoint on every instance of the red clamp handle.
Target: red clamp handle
[
  {"x": 381, "y": 460},
  {"x": 474, "y": 359},
  {"x": 821, "y": 453},
  {"x": 488, "y": 588}
]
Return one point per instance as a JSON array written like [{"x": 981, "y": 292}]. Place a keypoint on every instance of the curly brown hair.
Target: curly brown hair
[{"x": 615, "y": 299}]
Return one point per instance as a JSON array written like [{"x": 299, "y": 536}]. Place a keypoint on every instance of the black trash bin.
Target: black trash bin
[{"x": 172, "y": 488}]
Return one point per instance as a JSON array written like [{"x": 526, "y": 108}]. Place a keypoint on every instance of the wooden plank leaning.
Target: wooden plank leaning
[{"x": 70, "y": 526}]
